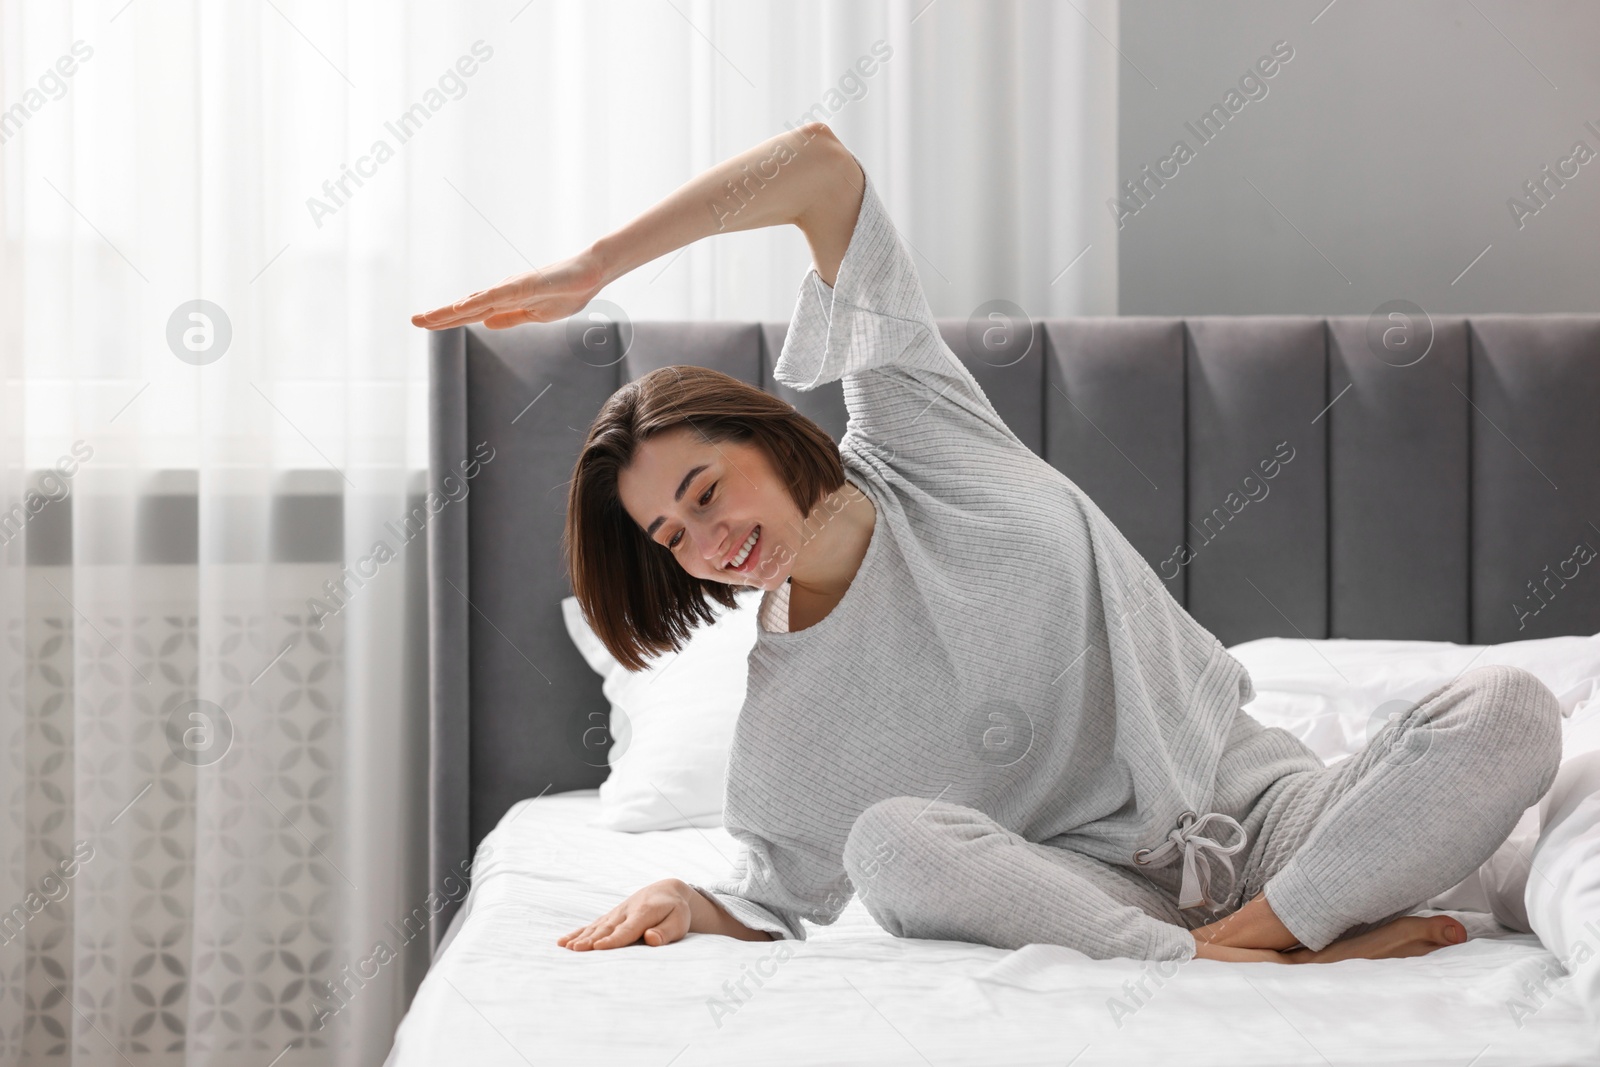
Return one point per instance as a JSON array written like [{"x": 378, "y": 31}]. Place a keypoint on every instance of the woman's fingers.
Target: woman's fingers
[
  {"x": 501, "y": 320},
  {"x": 599, "y": 933},
  {"x": 468, "y": 309},
  {"x": 509, "y": 297},
  {"x": 615, "y": 933},
  {"x": 505, "y": 296},
  {"x": 583, "y": 942},
  {"x": 586, "y": 937},
  {"x": 583, "y": 936},
  {"x": 544, "y": 295},
  {"x": 625, "y": 933}
]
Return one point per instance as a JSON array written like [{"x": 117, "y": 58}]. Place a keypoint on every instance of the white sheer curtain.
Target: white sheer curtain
[{"x": 211, "y": 753}]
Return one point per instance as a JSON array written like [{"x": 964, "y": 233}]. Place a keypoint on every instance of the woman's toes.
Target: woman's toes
[{"x": 1446, "y": 931}]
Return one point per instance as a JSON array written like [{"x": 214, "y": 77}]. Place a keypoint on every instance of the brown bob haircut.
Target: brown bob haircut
[{"x": 633, "y": 592}]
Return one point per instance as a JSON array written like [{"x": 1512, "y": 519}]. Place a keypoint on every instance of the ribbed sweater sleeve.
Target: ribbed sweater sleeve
[
  {"x": 771, "y": 887},
  {"x": 874, "y": 330}
]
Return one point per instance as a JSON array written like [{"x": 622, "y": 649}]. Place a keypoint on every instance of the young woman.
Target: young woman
[{"x": 970, "y": 700}]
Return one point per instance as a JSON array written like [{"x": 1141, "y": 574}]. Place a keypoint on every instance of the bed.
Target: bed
[
  {"x": 503, "y": 993},
  {"x": 1432, "y": 500}
]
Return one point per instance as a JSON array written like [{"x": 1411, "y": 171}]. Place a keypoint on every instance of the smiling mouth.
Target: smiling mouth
[{"x": 747, "y": 551}]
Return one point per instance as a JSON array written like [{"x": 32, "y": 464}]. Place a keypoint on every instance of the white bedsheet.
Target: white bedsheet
[{"x": 503, "y": 992}]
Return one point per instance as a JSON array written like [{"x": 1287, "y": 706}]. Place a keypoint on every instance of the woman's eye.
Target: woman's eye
[{"x": 705, "y": 498}]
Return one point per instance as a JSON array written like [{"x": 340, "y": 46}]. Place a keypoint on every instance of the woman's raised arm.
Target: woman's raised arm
[{"x": 805, "y": 176}]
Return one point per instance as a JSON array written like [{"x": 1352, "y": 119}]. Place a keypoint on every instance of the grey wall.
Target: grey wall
[{"x": 1377, "y": 166}]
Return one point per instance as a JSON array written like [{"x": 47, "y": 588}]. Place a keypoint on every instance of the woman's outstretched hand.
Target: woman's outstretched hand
[
  {"x": 659, "y": 913},
  {"x": 554, "y": 292}
]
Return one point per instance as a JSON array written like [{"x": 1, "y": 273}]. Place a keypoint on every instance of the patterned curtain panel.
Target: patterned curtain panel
[
  {"x": 180, "y": 859},
  {"x": 217, "y": 221},
  {"x": 191, "y": 867}
]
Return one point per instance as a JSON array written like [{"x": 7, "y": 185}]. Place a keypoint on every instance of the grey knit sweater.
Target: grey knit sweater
[{"x": 1002, "y": 645}]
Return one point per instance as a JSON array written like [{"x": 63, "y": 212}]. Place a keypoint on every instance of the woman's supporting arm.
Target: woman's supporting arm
[
  {"x": 805, "y": 176},
  {"x": 706, "y": 916}
]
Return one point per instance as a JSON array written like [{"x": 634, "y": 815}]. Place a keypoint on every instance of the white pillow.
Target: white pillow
[
  {"x": 671, "y": 723},
  {"x": 1545, "y": 877},
  {"x": 1563, "y": 901},
  {"x": 595, "y": 654},
  {"x": 1336, "y": 694}
]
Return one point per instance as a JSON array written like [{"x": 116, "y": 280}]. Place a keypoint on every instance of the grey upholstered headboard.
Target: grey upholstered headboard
[{"x": 1440, "y": 500}]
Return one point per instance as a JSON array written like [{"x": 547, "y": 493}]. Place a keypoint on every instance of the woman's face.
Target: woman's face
[{"x": 705, "y": 500}]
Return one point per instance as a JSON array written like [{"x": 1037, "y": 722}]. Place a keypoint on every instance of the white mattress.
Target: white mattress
[{"x": 503, "y": 992}]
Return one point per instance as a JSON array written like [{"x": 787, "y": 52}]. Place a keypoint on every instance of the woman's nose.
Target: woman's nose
[{"x": 713, "y": 542}]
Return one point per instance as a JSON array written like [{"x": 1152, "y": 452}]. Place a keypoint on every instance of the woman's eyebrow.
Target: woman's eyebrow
[{"x": 683, "y": 487}]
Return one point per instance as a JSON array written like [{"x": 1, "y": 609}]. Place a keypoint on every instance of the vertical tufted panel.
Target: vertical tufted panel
[
  {"x": 1397, "y": 482},
  {"x": 734, "y": 348},
  {"x": 1113, "y": 423},
  {"x": 1535, "y": 476},
  {"x": 1258, "y": 544},
  {"x": 450, "y": 781},
  {"x": 532, "y": 696},
  {"x": 1010, "y": 371}
]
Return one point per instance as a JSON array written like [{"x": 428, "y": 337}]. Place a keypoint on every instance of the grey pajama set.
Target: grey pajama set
[{"x": 1008, "y": 732}]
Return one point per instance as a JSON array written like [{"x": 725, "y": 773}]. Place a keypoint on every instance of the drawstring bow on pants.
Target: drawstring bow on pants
[{"x": 1189, "y": 841}]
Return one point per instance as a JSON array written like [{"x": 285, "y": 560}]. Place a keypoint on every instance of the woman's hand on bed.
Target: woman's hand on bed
[
  {"x": 660, "y": 913},
  {"x": 554, "y": 292}
]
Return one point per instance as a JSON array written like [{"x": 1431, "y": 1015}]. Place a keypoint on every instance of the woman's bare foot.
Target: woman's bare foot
[{"x": 1409, "y": 935}]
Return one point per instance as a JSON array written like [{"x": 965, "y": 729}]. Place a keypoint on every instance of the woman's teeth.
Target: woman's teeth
[{"x": 744, "y": 552}]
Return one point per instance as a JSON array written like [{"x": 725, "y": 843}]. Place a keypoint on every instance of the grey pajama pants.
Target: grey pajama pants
[{"x": 1338, "y": 850}]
